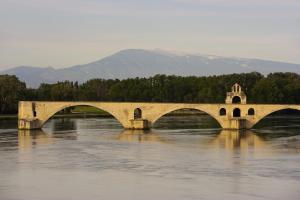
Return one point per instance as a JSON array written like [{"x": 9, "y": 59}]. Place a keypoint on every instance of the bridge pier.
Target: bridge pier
[
  {"x": 236, "y": 124},
  {"x": 141, "y": 124},
  {"x": 28, "y": 124}
]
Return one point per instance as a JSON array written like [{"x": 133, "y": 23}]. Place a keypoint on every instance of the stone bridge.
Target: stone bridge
[
  {"x": 33, "y": 115},
  {"x": 235, "y": 113}
]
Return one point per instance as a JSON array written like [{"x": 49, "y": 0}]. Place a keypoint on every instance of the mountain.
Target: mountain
[{"x": 144, "y": 63}]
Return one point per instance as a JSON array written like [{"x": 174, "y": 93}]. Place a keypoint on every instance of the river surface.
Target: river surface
[{"x": 180, "y": 158}]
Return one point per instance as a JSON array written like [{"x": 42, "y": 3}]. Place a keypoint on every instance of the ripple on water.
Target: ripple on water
[{"x": 97, "y": 159}]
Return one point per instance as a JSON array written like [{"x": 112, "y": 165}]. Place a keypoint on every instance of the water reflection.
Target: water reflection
[
  {"x": 64, "y": 124},
  {"x": 95, "y": 161},
  {"x": 234, "y": 139},
  {"x": 27, "y": 139},
  {"x": 140, "y": 136},
  {"x": 230, "y": 140}
]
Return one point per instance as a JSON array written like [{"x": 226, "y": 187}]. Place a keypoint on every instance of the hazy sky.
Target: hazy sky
[{"x": 62, "y": 33}]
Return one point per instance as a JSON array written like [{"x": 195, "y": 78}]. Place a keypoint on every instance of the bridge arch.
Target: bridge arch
[
  {"x": 272, "y": 111},
  {"x": 214, "y": 116},
  {"x": 43, "y": 119}
]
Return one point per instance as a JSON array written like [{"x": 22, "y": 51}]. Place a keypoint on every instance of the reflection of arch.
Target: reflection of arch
[
  {"x": 236, "y": 99},
  {"x": 222, "y": 112},
  {"x": 236, "y": 112},
  {"x": 215, "y": 117},
  {"x": 51, "y": 114},
  {"x": 251, "y": 111},
  {"x": 137, "y": 113}
]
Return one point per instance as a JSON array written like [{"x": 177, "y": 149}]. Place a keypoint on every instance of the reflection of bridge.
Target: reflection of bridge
[
  {"x": 225, "y": 139},
  {"x": 234, "y": 114}
]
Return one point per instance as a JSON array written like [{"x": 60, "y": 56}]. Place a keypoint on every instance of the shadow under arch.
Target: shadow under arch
[
  {"x": 280, "y": 117},
  {"x": 98, "y": 112},
  {"x": 186, "y": 117}
]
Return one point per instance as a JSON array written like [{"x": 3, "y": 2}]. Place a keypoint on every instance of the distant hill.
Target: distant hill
[{"x": 144, "y": 63}]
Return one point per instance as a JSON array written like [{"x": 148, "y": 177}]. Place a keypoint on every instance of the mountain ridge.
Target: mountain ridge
[{"x": 130, "y": 63}]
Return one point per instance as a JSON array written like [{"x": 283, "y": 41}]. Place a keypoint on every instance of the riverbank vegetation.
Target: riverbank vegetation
[{"x": 273, "y": 88}]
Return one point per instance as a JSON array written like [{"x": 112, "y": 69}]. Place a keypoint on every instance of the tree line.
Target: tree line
[{"x": 274, "y": 88}]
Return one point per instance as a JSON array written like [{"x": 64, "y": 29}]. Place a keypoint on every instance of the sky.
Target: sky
[{"x": 62, "y": 33}]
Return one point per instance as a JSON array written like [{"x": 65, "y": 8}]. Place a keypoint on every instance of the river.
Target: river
[{"x": 180, "y": 158}]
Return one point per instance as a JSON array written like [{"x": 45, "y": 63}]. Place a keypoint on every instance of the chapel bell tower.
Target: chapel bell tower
[{"x": 236, "y": 96}]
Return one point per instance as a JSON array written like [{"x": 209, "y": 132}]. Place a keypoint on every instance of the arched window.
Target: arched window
[
  {"x": 251, "y": 111},
  {"x": 137, "y": 113},
  {"x": 222, "y": 111},
  {"x": 236, "y": 112},
  {"x": 236, "y": 99}
]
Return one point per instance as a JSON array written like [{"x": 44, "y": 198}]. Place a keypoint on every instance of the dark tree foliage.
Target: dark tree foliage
[
  {"x": 277, "y": 88},
  {"x": 274, "y": 88},
  {"x": 11, "y": 91}
]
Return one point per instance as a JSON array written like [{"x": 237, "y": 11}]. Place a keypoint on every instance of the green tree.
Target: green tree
[{"x": 11, "y": 91}]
